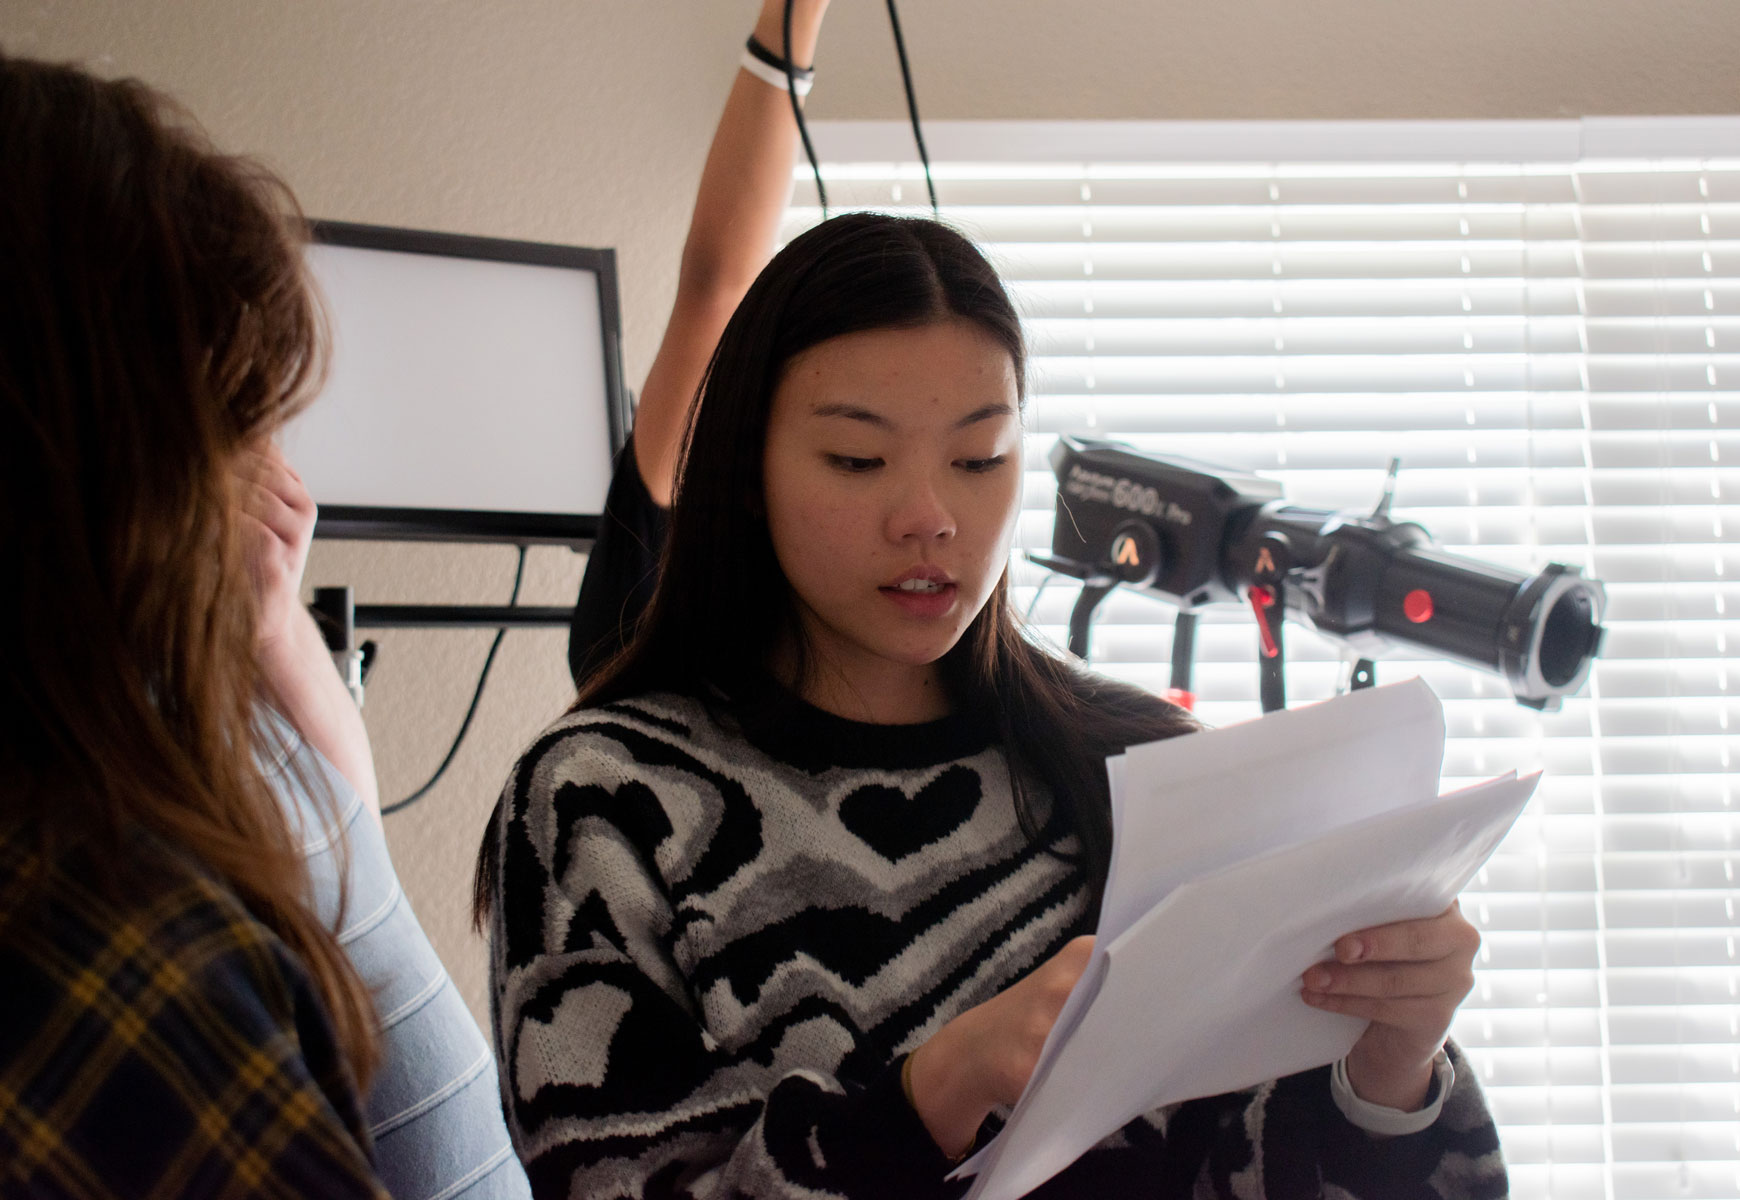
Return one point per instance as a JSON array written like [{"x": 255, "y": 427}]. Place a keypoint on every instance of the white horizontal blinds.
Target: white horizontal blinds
[
  {"x": 1553, "y": 351},
  {"x": 1661, "y": 306}
]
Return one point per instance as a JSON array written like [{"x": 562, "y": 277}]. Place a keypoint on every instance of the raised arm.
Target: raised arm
[{"x": 743, "y": 194}]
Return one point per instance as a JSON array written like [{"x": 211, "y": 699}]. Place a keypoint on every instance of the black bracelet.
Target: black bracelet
[{"x": 754, "y": 46}]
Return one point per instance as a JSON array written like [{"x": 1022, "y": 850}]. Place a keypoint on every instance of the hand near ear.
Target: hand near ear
[
  {"x": 277, "y": 517},
  {"x": 1407, "y": 979}
]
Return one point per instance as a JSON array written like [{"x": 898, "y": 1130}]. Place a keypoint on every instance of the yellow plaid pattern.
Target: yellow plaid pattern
[{"x": 158, "y": 1041}]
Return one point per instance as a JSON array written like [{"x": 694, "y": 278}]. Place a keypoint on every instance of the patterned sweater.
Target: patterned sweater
[{"x": 715, "y": 940}]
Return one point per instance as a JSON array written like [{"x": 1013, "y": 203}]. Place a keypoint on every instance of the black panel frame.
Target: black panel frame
[{"x": 360, "y": 522}]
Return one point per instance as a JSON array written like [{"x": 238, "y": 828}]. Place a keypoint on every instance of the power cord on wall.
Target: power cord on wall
[
  {"x": 797, "y": 112},
  {"x": 471, "y": 711},
  {"x": 912, "y": 107}
]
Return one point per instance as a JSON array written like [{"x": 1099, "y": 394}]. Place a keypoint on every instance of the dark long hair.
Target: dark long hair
[
  {"x": 155, "y": 319},
  {"x": 712, "y": 623}
]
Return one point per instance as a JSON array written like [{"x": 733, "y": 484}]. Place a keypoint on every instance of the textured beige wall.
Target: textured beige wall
[
  {"x": 585, "y": 121},
  {"x": 1276, "y": 59}
]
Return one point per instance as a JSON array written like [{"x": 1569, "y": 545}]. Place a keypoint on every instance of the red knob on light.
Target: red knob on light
[
  {"x": 1262, "y": 599},
  {"x": 1417, "y": 606}
]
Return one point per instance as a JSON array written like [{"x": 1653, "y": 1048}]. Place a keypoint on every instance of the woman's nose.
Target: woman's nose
[{"x": 919, "y": 513}]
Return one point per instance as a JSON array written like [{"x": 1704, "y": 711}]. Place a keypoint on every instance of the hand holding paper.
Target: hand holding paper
[
  {"x": 1406, "y": 978},
  {"x": 984, "y": 1057},
  {"x": 1242, "y": 857}
]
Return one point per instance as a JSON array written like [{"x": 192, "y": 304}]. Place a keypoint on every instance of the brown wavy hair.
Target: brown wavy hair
[{"x": 155, "y": 320}]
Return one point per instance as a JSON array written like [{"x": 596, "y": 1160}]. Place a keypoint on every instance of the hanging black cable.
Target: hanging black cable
[
  {"x": 911, "y": 104},
  {"x": 482, "y": 678},
  {"x": 797, "y": 112}
]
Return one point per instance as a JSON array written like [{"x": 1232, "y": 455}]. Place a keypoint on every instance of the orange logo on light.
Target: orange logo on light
[
  {"x": 1125, "y": 554},
  {"x": 1265, "y": 562}
]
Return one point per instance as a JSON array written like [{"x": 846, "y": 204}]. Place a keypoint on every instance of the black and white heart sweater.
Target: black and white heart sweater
[{"x": 712, "y": 947}]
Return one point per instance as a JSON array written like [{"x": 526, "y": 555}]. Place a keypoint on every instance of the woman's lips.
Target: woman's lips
[{"x": 922, "y": 603}]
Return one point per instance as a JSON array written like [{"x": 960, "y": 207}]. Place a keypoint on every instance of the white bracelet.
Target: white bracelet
[
  {"x": 773, "y": 76},
  {"x": 1383, "y": 1120}
]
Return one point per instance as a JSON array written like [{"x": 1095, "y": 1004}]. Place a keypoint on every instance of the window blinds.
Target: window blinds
[{"x": 1550, "y": 342}]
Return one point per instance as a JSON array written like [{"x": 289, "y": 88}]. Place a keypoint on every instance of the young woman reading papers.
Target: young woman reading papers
[{"x": 786, "y": 905}]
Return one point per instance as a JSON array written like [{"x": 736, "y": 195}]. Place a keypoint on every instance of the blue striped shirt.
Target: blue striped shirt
[{"x": 434, "y": 1110}]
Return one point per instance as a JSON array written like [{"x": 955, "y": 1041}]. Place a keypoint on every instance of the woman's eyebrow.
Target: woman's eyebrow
[
  {"x": 853, "y": 412},
  {"x": 989, "y": 412}
]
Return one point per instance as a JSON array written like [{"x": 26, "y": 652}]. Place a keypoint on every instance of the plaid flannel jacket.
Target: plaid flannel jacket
[{"x": 166, "y": 1044}]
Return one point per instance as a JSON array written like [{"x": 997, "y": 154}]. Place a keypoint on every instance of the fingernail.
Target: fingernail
[
  {"x": 1352, "y": 950},
  {"x": 1317, "y": 978}
]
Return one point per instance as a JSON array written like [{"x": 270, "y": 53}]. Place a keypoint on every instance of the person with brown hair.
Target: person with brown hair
[
  {"x": 177, "y": 1019},
  {"x": 431, "y": 1107}
]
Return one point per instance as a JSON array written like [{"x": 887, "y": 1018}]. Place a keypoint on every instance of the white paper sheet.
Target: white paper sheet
[
  {"x": 1199, "y": 803},
  {"x": 1268, "y": 842}
]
